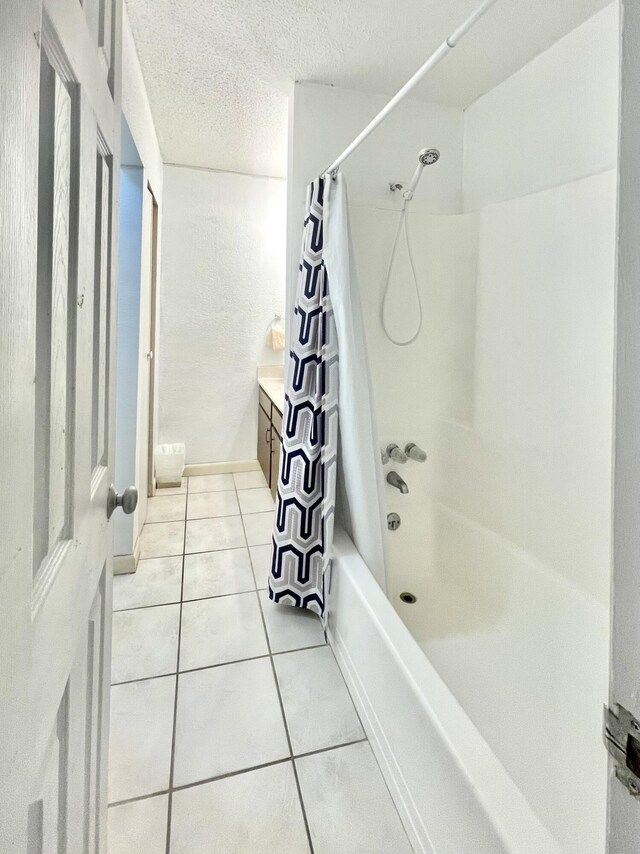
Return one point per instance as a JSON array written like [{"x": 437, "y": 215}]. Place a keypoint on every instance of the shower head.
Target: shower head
[{"x": 428, "y": 156}]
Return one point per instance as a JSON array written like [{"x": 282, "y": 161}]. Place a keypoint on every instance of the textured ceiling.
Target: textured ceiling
[{"x": 218, "y": 71}]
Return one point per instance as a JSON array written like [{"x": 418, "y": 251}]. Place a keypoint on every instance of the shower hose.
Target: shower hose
[{"x": 401, "y": 223}]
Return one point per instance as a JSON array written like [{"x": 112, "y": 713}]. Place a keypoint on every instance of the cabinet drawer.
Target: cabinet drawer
[
  {"x": 265, "y": 402},
  {"x": 276, "y": 419}
]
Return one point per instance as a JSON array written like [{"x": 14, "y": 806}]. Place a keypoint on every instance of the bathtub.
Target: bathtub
[{"x": 452, "y": 793}]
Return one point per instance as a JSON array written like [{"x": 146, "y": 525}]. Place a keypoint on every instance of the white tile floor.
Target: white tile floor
[{"x": 232, "y": 730}]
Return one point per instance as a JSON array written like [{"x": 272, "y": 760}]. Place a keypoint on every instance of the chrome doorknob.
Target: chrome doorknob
[{"x": 128, "y": 500}]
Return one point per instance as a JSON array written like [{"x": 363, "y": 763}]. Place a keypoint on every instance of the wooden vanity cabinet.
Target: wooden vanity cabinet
[
  {"x": 264, "y": 443},
  {"x": 269, "y": 432}
]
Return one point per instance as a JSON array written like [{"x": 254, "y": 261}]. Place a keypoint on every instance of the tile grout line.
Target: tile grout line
[
  {"x": 175, "y": 707},
  {"x": 221, "y": 663},
  {"x": 204, "y": 551},
  {"x": 137, "y": 798},
  {"x": 237, "y": 773},
  {"x": 282, "y": 711},
  {"x": 286, "y": 729},
  {"x": 284, "y": 719},
  {"x": 194, "y": 599},
  {"x": 175, "y": 698},
  {"x": 252, "y": 768},
  {"x": 258, "y": 591}
]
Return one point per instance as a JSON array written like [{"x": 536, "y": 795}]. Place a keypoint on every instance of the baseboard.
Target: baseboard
[
  {"x": 196, "y": 469},
  {"x": 381, "y": 748},
  {"x": 124, "y": 564}
]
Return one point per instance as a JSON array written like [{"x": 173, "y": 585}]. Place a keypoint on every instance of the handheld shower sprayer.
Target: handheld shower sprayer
[{"x": 426, "y": 157}]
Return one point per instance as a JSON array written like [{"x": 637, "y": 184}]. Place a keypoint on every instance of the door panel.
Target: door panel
[
  {"x": 57, "y": 256},
  {"x": 101, "y": 309},
  {"x": 99, "y": 18},
  {"x": 54, "y": 322},
  {"x": 105, "y": 24}
]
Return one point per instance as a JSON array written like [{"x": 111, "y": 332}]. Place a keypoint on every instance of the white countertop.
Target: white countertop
[{"x": 273, "y": 387}]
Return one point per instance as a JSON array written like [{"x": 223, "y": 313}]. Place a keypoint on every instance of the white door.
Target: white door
[
  {"x": 59, "y": 165},
  {"x": 624, "y": 778}
]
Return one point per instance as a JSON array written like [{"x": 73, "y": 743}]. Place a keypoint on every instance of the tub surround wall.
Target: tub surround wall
[
  {"x": 509, "y": 389},
  {"x": 323, "y": 121},
  {"x": 223, "y": 260},
  {"x": 518, "y": 501},
  {"x": 552, "y": 122}
]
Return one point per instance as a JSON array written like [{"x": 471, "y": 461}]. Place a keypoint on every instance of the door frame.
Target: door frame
[
  {"x": 153, "y": 337},
  {"x": 623, "y": 822}
]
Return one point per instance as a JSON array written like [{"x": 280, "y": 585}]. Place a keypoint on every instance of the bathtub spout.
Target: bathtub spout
[{"x": 395, "y": 480}]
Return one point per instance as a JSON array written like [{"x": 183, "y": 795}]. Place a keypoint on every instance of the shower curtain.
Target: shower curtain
[{"x": 326, "y": 471}]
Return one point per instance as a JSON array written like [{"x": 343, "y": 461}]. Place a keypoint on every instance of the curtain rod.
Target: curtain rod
[{"x": 445, "y": 48}]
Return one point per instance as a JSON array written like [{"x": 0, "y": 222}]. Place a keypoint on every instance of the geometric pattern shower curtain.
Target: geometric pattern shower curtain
[{"x": 305, "y": 505}]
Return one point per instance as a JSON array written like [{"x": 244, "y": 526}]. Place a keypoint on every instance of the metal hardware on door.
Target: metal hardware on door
[
  {"x": 621, "y": 735},
  {"x": 267, "y": 435},
  {"x": 128, "y": 500},
  {"x": 150, "y": 355}
]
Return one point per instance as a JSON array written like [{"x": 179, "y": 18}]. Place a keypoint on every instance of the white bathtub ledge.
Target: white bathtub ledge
[{"x": 425, "y": 732}]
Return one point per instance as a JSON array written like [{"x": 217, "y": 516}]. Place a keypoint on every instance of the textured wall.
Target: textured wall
[
  {"x": 223, "y": 260},
  {"x": 218, "y": 72}
]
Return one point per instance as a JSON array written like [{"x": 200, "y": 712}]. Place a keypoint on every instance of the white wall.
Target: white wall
[
  {"x": 135, "y": 106},
  {"x": 223, "y": 261},
  {"x": 128, "y": 341},
  {"x": 143, "y": 150},
  {"x": 551, "y": 123}
]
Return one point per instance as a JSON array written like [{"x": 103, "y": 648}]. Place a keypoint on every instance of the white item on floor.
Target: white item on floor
[{"x": 169, "y": 463}]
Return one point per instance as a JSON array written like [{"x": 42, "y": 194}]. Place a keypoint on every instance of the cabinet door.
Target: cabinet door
[
  {"x": 275, "y": 461},
  {"x": 264, "y": 443}
]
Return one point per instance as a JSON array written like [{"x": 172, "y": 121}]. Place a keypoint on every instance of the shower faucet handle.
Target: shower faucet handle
[
  {"x": 416, "y": 453},
  {"x": 394, "y": 453}
]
